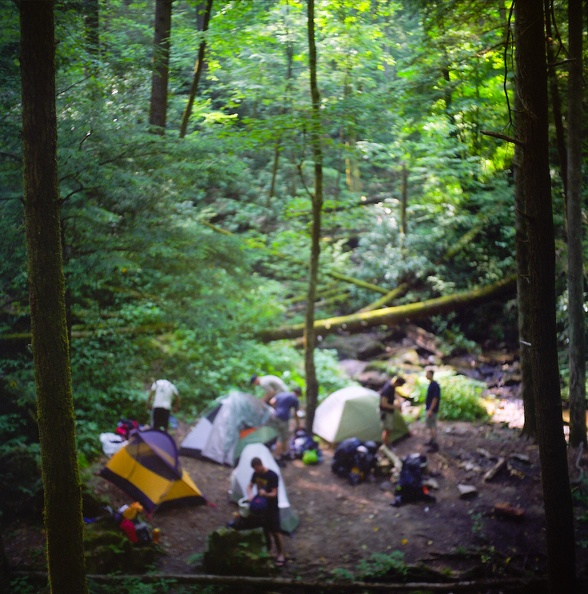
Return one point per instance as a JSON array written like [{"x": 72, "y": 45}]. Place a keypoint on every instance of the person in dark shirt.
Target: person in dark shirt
[
  {"x": 266, "y": 482},
  {"x": 387, "y": 406},
  {"x": 284, "y": 403},
  {"x": 432, "y": 408}
]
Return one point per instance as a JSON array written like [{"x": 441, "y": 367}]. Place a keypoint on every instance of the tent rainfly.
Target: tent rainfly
[
  {"x": 148, "y": 470},
  {"x": 241, "y": 477},
  {"x": 217, "y": 434},
  {"x": 353, "y": 412}
]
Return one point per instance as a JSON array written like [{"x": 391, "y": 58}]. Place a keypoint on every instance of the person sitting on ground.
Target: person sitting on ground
[
  {"x": 388, "y": 406},
  {"x": 432, "y": 408},
  {"x": 271, "y": 385},
  {"x": 266, "y": 481},
  {"x": 284, "y": 403},
  {"x": 163, "y": 396}
]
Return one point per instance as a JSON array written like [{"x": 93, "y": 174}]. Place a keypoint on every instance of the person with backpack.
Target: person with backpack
[
  {"x": 266, "y": 483},
  {"x": 431, "y": 410},
  {"x": 388, "y": 406}
]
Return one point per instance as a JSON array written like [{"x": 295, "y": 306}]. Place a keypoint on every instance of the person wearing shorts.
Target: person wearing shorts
[
  {"x": 284, "y": 403},
  {"x": 388, "y": 406},
  {"x": 431, "y": 410}
]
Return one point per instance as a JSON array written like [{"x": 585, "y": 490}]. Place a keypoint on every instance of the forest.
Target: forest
[{"x": 215, "y": 189}]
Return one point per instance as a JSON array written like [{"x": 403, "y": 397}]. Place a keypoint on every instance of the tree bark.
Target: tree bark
[
  {"x": 531, "y": 127},
  {"x": 160, "y": 74},
  {"x": 523, "y": 289},
  {"x": 61, "y": 482},
  {"x": 198, "y": 69},
  {"x": 317, "y": 205},
  {"x": 395, "y": 315},
  {"x": 577, "y": 345}
]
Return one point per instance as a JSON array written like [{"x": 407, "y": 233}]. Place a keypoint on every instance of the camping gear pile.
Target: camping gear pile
[
  {"x": 304, "y": 447},
  {"x": 354, "y": 459},
  {"x": 410, "y": 488},
  {"x": 128, "y": 520}
]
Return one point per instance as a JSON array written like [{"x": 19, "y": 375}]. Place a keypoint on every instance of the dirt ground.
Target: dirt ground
[{"x": 341, "y": 524}]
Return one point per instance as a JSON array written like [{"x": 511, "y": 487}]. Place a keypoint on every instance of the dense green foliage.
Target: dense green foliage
[
  {"x": 154, "y": 288},
  {"x": 460, "y": 397}
]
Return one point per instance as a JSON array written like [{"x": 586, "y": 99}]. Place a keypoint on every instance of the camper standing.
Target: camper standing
[
  {"x": 266, "y": 481},
  {"x": 163, "y": 397},
  {"x": 432, "y": 408},
  {"x": 271, "y": 385},
  {"x": 388, "y": 406},
  {"x": 284, "y": 403}
]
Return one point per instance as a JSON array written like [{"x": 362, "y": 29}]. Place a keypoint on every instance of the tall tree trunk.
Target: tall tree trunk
[
  {"x": 198, "y": 69},
  {"x": 61, "y": 482},
  {"x": 531, "y": 128},
  {"x": 523, "y": 289},
  {"x": 160, "y": 73},
  {"x": 577, "y": 338},
  {"x": 317, "y": 206}
]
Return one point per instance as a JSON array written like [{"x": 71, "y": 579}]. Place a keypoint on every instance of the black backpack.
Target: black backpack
[
  {"x": 343, "y": 458},
  {"x": 410, "y": 482}
]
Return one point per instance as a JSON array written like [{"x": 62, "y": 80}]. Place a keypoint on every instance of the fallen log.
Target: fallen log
[
  {"x": 358, "y": 322},
  {"x": 483, "y": 585}
]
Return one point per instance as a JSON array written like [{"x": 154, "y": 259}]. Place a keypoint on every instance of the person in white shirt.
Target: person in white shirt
[
  {"x": 163, "y": 398},
  {"x": 271, "y": 385}
]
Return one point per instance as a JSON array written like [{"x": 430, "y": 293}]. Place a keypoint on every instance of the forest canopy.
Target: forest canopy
[{"x": 180, "y": 250}]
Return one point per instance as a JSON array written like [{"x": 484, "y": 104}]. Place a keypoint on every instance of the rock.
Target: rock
[
  {"x": 521, "y": 458},
  {"x": 232, "y": 552},
  {"x": 467, "y": 491},
  {"x": 431, "y": 483}
]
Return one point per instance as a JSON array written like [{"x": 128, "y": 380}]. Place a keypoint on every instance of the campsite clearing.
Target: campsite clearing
[
  {"x": 341, "y": 524},
  {"x": 494, "y": 530}
]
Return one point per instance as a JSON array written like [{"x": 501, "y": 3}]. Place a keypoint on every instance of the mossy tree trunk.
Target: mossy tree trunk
[
  {"x": 63, "y": 513},
  {"x": 315, "y": 250},
  {"x": 531, "y": 129},
  {"x": 359, "y": 322}
]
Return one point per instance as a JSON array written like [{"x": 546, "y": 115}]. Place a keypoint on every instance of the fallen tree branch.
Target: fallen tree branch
[
  {"x": 394, "y": 315},
  {"x": 530, "y": 585},
  {"x": 390, "y": 296}
]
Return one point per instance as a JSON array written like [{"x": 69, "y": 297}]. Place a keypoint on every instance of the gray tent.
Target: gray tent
[{"x": 217, "y": 433}]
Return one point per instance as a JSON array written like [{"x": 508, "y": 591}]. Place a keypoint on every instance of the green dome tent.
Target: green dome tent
[{"x": 353, "y": 412}]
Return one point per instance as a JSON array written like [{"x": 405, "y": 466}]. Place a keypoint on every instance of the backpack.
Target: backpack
[
  {"x": 343, "y": 457},
  {"x": 302, "y": 442},
  {"x": 125, "y": 427},
  {"x": 410, "y": 482}
]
